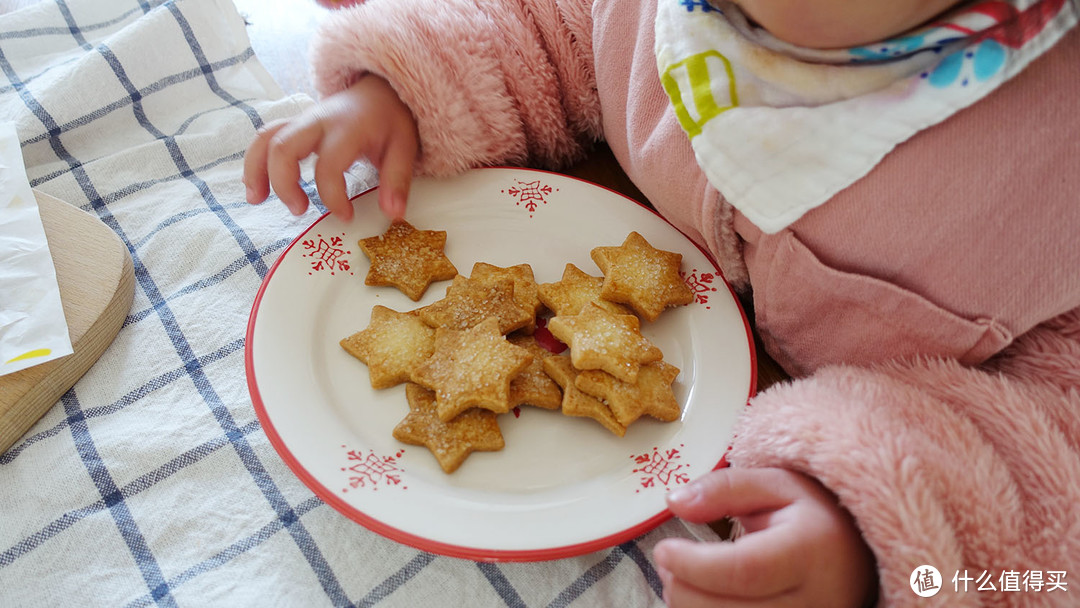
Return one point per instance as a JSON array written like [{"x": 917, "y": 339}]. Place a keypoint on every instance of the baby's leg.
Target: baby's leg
[{"x": 962, "y": 238}]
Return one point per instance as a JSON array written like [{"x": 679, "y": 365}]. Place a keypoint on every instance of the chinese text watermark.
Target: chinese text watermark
[{"x": 926, "y": 581}]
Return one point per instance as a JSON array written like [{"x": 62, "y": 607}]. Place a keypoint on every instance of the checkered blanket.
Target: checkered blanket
[{"x": 151, "y": 481}]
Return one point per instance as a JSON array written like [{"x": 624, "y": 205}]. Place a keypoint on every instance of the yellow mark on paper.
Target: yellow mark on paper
[{"x": 37, "y": 352}]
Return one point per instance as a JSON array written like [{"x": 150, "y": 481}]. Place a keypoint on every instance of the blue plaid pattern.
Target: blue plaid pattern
[{"x": 151, "y": 482}]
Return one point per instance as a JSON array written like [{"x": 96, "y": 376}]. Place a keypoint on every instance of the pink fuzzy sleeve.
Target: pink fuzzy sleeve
[
  {"x": 967, "y": 470},
  {"x": 489, "y": 81}
]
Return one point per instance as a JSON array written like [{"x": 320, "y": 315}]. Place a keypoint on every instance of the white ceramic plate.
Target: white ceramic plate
[{"x": 562, "y": 486}]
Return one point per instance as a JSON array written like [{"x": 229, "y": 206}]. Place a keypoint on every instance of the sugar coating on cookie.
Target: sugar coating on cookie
[
  {"x": 470, "y": 301},
  {"x": 449, "y": 442},
  {"x": 573, "y": 291},
  {"x": 651, "y": 394},
  {"x": 577, "y": 403},
  {"x": 478, "y": 352},
  {"x": 393, "y": 344},
  {"x": 534, "y": 386},
  {"x": 472, "y": 368},
  {"x": 407, "y": 258},
  {"x": 525, "y": 287},
  {"x": 642, "y": 276},
  {"x": 602, "y": 340}
]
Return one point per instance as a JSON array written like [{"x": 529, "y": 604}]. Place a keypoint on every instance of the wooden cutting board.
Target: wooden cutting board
[{"x": 97, "y": 283}]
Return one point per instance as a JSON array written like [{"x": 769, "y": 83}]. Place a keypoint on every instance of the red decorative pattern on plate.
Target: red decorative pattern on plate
[
  {"x": 530, "y": 194},
  {"x": 368, "y": 470},
  {"x": 661, "y": 468},
  {"x": 700, "y": 284},
  {"x": 326, "y": 254}
]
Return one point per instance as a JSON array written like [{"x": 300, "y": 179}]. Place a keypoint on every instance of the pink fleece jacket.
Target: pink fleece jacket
[{"x": 961, "y": 451}]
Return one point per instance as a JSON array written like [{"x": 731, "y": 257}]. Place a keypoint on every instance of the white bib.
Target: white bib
[{"x": 780, "y": 129}]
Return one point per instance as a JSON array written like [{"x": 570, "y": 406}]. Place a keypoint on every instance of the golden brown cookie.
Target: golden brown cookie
[
  {"x": 525, "y": 287},
  {"x": 577, "y": 403},
  {"x": 470, "y": 301},
  {"x": 573, "y": 291},
  {"x": 393, "y": 344},
  {"x": 533, "y": 386},
  {"x": 407, "y": 258},
  {"x": 599, "y": 339},
  {"x": 645, "y": 278},
  {"x": 449, "y": 442},
  {"x": 651, "y": 394},
  {"x": 472, "y": 368}
]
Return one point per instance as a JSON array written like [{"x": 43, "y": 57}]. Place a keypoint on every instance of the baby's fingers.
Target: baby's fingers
[
  {"x": 395, "y": 174},
  {"x": 336, "y": 154},
  {"x": 256, "y": 178},
  {"x": 678, "y": 594},
  {"x": 757, "y": 565},
  {"x": 732, "y": 492},
  {"x": 287, "y": 148}
]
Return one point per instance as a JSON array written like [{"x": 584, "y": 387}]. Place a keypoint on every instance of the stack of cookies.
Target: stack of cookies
[{"x": 473, "y": 355}]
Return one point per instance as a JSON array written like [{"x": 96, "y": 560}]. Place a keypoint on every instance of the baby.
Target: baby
[{"x": 893, "y": 183}]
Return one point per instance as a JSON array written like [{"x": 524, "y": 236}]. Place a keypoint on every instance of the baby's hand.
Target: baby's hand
[
  {"x": 800, "y": 548},
  {"x": 367, "y": 120}
]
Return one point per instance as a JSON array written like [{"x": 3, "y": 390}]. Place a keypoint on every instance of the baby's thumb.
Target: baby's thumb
[
  {"x": 395, "y": 177},
  {"x": 728, "y": 492}
]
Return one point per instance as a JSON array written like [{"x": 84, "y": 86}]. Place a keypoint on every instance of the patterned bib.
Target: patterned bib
[{"x": 780, "y": 129}]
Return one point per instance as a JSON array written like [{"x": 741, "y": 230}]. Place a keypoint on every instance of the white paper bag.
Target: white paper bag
[{"x": 33, "y": 329}]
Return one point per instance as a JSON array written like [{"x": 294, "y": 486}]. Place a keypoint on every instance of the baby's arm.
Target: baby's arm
[
  {"x": 841, "y": 23},
  {"x": 496, "y": 82},
  {"x": 439, "y": 87}
]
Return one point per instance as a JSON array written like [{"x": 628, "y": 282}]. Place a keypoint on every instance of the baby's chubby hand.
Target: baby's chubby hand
[
  {"x": 367, "y": 120},
  {"x": 800, "y": 547}
]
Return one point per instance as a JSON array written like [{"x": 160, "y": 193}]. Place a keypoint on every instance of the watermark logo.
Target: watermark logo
[{"x": 925, "y": 581}]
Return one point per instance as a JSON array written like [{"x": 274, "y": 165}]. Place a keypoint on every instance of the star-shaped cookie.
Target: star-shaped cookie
[
  {"x": 577, "y": 403},
  {"x": 393, "y": 344},
  {"x": 645, "y": 278},
  {"x": 573, "y": 291},
  {"x": 469, "y": 301},
  {"x": 599, "y": 339},
  {"x": 525, "y": 287},
  {"x": 472, "y": 368},
  {"x": 449, "y": 442},
  {"x": 533, "y": 386},
  {"x": 651, "y": 394},
  {"x": 407, "y": 258}
]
